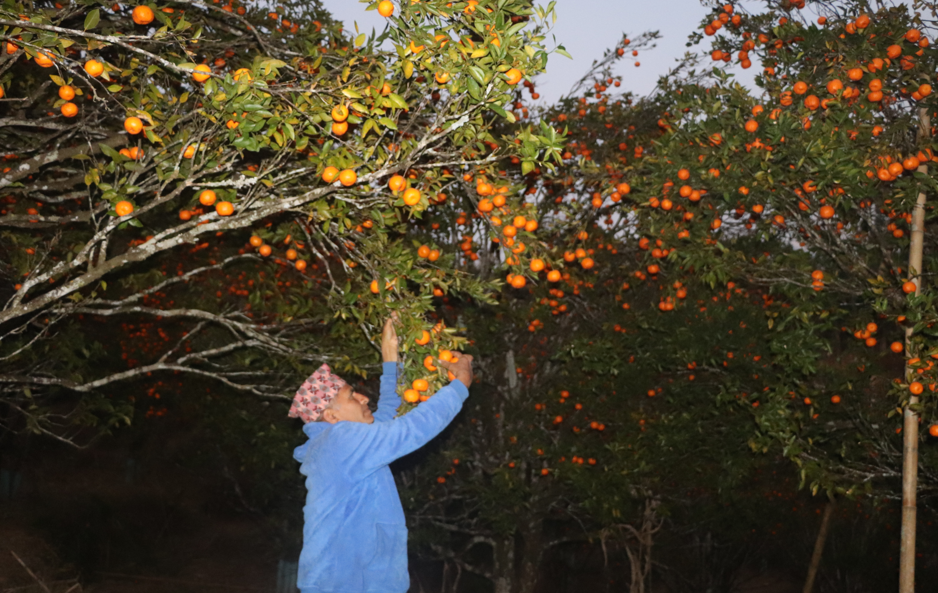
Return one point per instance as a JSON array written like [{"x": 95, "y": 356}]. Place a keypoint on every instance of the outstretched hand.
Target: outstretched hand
[
  {"x": 389, "y": 342},
  {"x": 461, "y": 369}
]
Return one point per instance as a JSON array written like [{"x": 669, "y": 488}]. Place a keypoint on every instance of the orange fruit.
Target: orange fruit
[
  {"x": 835, "y": 86},
  {"x": 423, "y": 252},
  {"x": 385, "y": 8},
  {"x": 348, "y": 177},
  {"x": 411, "y": 196},
  {"x": 123, "y": 208},
  {"x": 441, "y": 77},
  {"x": 513, "y": 76},
  {"x": 94, "y": 68},
  {"x": 897, "y": 347},
  {"x": 683, "y": 174},
  {"x": 800, "y": 88},
  {"x": 424, "y": 338},
  {"x": 587, "y": 263},
  {"x": 445, "y": 355},
  {"x": 224, "y": 208},
  {"x": 207, "y": 198},
  {"x": 420, "y": 384},
  {"x": 69, "y": 109},
  {"x": 924, "y": 90},
  {"x": 243, "y": 74},
  {"x": 411, "y": 396},
  {"x": 812, "y": 102},
  {"x": 553, "y": 276},
  {"x": 855, "y": 73},
  {"x": 291, "y": 254},
  {"x": 143, "y": 15},
  {"x": 330, "y": 174},
  {"x": 201, "y": 73},
  {"x": 517, "y": 280},
  {"x": 300, "y": 265},
  {"x": 66, "y": 93},
  {"x": 916, "y": 388},
  {"x": 184, "y": 215},
  {"x": 908, "y": 287},
  {"x": 189, "y": 151},
  {"x": 537, "y": 265},
  {"x": 339, "y": 113},
  {"x": 434, "y": 255},
  {"x": 751, "y": 126},
  {"x": 44, "y": 59},
  {"x": 256, "y": 241},
  {"x": 826, "y": 211},
  {"x": 339, "y": 128},
  {"x": 396, "y": 183},
  {"x": 264, "y": 250},
  {"x": 133, "y": 125}
]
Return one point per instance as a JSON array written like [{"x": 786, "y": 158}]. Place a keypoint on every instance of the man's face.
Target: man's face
[{"x": 348, "y": 406}]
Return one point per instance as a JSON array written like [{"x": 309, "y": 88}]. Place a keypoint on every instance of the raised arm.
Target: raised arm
[
  {"x": 371, "y": 446},
  {"x": 388, "y": 400}
]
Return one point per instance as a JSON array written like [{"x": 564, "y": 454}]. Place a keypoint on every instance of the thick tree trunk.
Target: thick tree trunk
[
  {"x": 504, "y": 564},
  {"x": 638, "y": 547},
  {"x": 818, "y": 547},
  {"x": 910, "y": 417}
]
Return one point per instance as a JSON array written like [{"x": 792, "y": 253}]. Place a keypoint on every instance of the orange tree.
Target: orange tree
[
  {"x": 591, "y": 389},
  {"x": 802, "y": 193},
  {"x": 146, "y": 142}
]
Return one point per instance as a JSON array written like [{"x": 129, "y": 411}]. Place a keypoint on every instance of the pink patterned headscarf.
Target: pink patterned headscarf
[{"x": 315, "y": 394}]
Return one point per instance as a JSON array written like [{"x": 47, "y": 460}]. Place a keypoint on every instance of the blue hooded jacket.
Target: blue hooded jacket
[{"x": 354, "y": 536}]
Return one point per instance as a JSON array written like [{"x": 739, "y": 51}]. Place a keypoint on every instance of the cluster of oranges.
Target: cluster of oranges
[{"x": 291, "y": 254}]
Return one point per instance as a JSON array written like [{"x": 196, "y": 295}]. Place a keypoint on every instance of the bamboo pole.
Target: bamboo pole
[
  {"x": 909, "y": 416},
  {"x": 819, "y": 547}
]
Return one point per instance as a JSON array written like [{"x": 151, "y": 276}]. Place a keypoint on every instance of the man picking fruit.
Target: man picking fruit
[{"x": 354, "y": 535}]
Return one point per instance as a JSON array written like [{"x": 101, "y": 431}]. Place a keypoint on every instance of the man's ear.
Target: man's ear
[{"x": 330, "y": 416}]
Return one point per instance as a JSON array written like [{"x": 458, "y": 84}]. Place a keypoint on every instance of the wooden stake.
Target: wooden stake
[
  {"x": 909, "y": 417},
  {"x": 819, "y": 547}
]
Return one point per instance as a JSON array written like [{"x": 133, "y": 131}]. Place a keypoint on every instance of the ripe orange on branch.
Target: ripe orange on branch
[
  {"x": 397, "y": 183},
  {"x": 94, "y": 68},
  {"x": 411, "y": 196},
  {"x": 385, "y": 8},
  {"x": 330, "y": 174},
  {"x": 133, "y": 125},
  {"x": 143, "y": 15},
  {"x": 340, "y": 113},
  {"x": 348, "y": 177},
  {"x": 66, "y": 92},
  {"x": 201, "y": 73},
  {"x": 123, "y": 208},
  {"x": 207, "y": 198}
]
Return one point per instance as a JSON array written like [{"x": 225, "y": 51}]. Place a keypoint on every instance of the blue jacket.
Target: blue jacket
[{"x": 354, "y": 536}]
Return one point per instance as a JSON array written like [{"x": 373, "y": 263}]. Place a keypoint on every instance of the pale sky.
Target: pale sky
[{"x": 587, "y": 27}]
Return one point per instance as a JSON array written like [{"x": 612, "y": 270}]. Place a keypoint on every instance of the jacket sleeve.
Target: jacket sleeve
[
  {"x": 368, "y": 447},
  {"x": 388, "y": 401}
]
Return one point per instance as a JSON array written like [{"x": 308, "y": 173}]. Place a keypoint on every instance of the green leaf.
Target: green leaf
[
  {"x": 388, "y": 123},
  {"x": 397, "y": 101},
  {"x": 93, "y": 18}
]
